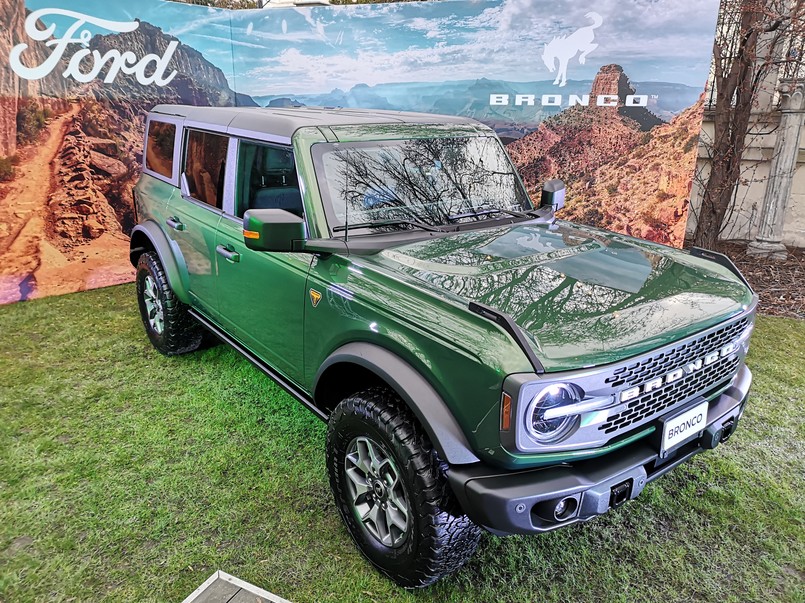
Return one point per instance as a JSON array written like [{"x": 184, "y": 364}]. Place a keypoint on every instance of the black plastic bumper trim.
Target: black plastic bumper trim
[{"x": 509, "y": 502}]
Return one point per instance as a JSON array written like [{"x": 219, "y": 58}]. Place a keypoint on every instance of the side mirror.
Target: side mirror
[
  {"x": 553, "y": 194},
  {"x": 273, "y": 230}
]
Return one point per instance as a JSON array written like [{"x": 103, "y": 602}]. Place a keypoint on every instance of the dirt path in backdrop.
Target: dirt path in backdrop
[{"x": 29, "y": 265}]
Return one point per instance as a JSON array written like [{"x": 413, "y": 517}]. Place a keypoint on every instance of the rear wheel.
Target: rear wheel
[
  {"x": 167, "y": 322},
  {"x": 392, "y": 493}
]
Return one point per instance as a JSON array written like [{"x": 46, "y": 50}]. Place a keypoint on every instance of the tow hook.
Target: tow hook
[
  {"x": 727, "y": 429},
  {"x": 620, "y": 494},
  {"x": 719, "y": 432}
]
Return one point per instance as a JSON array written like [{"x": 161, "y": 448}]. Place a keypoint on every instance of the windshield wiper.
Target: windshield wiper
[
  {"x": 376, "y": 223},
  {"x": 485, "y": 212}
]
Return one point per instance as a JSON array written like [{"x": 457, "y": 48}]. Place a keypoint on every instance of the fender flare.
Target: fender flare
[
  {"x": 164, "y": 250},
  {"x": 434, "y": 416}
]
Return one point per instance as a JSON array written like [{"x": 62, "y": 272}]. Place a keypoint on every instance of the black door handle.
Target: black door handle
[
  {"x": 228, "y": 254},
  {"x": 174, "y": 223}
]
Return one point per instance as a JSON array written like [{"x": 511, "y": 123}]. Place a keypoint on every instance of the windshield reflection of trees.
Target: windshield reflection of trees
[{"x": 427, "y": 180}]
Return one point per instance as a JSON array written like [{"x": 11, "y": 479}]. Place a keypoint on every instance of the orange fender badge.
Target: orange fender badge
[{"x": 315, "y": 297}]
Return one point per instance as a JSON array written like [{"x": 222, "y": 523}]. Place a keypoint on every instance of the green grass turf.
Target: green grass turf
[{"x": 128, "y": 476}]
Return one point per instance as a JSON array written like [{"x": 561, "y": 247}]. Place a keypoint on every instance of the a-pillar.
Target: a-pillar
[{"x": 768, "y": 241}]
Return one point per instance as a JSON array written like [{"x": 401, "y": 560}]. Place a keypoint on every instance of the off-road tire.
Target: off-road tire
[
  {"x": 181, "y": 333},
  {"x": 439, "y": 538}
]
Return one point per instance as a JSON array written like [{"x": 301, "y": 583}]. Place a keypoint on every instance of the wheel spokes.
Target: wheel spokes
[
  {"x": 376, "y": 491},
  {"x": 153, "y": 305},
  {"x": 397, "y": 517},
  {"x": 399, "y": 508},
  {"x": 360, "y": 486}
]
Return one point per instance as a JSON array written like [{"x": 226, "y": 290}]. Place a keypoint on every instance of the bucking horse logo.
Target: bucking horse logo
[{"x": 564, "y": 48}]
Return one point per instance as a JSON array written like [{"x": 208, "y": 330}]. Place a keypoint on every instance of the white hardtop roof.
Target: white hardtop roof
[{"x": 283, "y": 122}]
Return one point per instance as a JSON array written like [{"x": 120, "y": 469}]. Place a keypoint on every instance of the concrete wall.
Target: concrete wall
[{"x": 743, "y": 220}]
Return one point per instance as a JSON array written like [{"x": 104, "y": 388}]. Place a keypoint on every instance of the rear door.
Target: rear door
[
  {"x": 193, "y": 216},
  {"x": 262, "y": 295},
  {"x": 159, "y": 181}
]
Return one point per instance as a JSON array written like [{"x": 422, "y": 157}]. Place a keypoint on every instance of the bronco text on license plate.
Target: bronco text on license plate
[{"x": 683, "y": 427}]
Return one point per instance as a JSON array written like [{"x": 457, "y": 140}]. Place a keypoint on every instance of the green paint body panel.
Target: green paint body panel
[
  {"x": 584, "y": 297},
  {"x": 587, "y": 297},
  {"x": 152, "y": 198},
  {"x": 259, "y": 292},
  {"x": 195, "y": 245}
]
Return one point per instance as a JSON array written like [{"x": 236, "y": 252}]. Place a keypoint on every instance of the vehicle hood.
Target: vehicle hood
[{"x": 583, "y": 296}]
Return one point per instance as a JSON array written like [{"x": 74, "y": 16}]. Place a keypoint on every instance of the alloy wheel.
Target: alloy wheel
[
  {"x": 153, "y": 305},
  {"x": 376, "y": 492}
]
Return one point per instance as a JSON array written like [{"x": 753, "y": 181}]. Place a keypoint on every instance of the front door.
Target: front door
[{"x": 262, "y": 296}]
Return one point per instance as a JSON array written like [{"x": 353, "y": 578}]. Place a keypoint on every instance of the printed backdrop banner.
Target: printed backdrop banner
[{"x": 605, "y": 95}]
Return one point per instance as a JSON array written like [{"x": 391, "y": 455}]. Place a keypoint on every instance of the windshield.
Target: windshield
[{"x": 382, "y": 186}]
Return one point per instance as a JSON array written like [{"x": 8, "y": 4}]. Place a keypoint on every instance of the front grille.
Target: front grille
[
  {"x": 668, "y": 360},
  {"x": 708, "y": 379}
]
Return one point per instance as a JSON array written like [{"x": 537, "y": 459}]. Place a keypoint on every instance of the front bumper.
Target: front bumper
[{"x": 525, "y": 502}]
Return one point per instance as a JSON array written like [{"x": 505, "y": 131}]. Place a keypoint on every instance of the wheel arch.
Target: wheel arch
[
  {"x": 147, "y": 237},
  {"x": 358, "y": 365}
]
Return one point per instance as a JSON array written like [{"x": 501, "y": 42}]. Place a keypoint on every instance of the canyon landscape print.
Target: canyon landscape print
[
  {"x": 74, "y": 152},
  {"x": 70, "y": 150}
]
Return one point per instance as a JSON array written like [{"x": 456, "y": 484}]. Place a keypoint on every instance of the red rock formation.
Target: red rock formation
[
  {"x": 646, "y": 192},
  {"x": 625, "y": 169},
  {"x": 49, "y": 92},
  {"x": 197, "y": 82},
  {"x": 79, "y": 208},
  {"x": 12, "y": 15},
  {"x": 611, "y": 79}
]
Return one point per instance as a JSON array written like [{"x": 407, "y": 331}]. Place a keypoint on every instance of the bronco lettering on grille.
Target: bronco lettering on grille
[{"x": 677, "y": 374}]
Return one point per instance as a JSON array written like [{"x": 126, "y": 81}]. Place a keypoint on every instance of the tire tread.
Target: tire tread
[
  {"x": 182, "y": 333},
  {"x": 447, "y": 538}
]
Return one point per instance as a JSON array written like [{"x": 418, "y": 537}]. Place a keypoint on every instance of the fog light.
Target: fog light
[{"x": 565, "y": 508}]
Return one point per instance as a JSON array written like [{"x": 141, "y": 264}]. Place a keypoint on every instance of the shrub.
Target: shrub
[
  {"x": 6, "y": 169},
  {"x": 690, "y": 143},
  {"x": 31, "y": 119}
]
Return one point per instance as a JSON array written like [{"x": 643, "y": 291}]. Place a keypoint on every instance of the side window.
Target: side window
[
  {"x": 159, "y": 148},
  {"x": 267, "y": 179},
  {"x": 204, "y": 166}
]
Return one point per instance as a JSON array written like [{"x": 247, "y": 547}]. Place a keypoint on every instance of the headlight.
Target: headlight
[{"x": 552, "y": 430}]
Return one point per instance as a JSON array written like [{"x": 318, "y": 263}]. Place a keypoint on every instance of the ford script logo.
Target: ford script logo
[
  {"x": 676, "y": 375},
  {"x": 77, "y": 68}
]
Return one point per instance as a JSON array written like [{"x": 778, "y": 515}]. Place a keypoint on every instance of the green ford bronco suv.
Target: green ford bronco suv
[{"x": 479, "y": 363}]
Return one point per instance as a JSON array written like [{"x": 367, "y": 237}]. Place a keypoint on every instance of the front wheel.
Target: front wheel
[
  {"x": 391, "y": 491},
  {"x": 167, "y": 322}
]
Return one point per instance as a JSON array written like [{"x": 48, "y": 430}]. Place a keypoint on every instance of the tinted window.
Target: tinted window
[
  {"x": 159, "y": 150},
  {"x": 267, "y": 179},
  {"x": 204, "y": 165}
]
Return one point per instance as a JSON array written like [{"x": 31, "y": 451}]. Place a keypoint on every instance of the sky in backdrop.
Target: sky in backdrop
[{"x": 317, "y": 49}]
